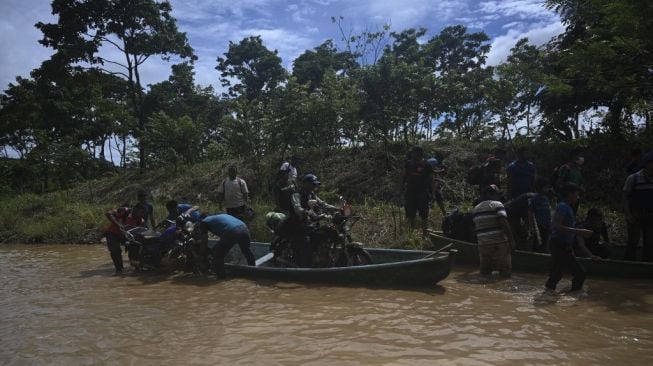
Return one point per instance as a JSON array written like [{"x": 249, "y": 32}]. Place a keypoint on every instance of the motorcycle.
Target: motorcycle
[
  {"x": 332, "y": 242},
  {"x": 167, "y": 251}
]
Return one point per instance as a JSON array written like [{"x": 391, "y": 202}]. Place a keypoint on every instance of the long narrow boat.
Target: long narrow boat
[
  {"x": 390, "y": 268},
  {"x": 524, "y": 261}
]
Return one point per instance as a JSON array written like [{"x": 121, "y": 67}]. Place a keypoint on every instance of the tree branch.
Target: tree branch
[
  {"x": 104, "y": 39},
  {"x": 114, "y": 63}
]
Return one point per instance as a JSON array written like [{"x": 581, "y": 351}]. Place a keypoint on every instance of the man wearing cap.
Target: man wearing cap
[
  {"x": 638, "y": 209},
  {"x": 437, "y": 184},
  {"x": 297, "y": 227},
  {"x": 493, "y": 233}
]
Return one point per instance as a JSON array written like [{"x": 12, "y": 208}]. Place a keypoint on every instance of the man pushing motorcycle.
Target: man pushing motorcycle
[{"x": 231, "y": 231}]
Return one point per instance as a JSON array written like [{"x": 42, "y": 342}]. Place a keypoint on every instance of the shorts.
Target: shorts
[{"x": 495, "y": 257}]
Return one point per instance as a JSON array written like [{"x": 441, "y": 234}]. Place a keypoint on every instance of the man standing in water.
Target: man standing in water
[
  {"x": 563, "y": 235},
  {"x": 114, "y": 233},
  {"x": 417, "y": 184},
  {"x": 495, "y": 240},
  {"x": 638, "y": 209}
]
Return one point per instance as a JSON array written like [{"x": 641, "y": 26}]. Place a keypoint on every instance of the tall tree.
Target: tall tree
[
  {"x": 252, "y": 73},
  {"x": 521, "y": 77},
  {"x": 311, "y": 66},
  {"x": 616, "y": 37},
  {"x": 250, "y": 70},
  {"x": 136, "y": 29},
  {"x": 457, "y": 58}
]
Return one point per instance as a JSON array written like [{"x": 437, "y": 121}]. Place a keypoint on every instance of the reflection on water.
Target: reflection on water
[{"x": 60, "y": 305}]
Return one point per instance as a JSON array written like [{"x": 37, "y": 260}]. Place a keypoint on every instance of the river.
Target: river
[{"x": 60, "y": 304}]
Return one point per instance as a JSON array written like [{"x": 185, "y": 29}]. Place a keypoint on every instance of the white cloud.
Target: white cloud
[
  {"x": 21, "y": 52},
  {"x": 290, "y": 44},
  {"x": 408, "y": 13},
  {"x": 289, "y": 27},
  {"x": 537, "y": 34},
  {"x": 524, "y": 9}
]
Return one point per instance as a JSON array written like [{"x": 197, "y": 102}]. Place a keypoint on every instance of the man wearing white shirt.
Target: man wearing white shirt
[
  {"x": 234, "y": 193},
  {"x": 291, "y": 167}
]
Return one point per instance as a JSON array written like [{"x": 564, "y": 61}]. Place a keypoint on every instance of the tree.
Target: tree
[
  {"x": 137, "y": 29},
  {"x": 252, "y": 73},
  {"x": 521, "y": 77},
  {"x": 256, "y": 69},
  {"x": 179, "y": 97},
  {"x": 456, "y": 58},
  {"x": 616, "y": 37},
  {"x": 172, "y": 140},
  {"x": 311, "y": 66}
]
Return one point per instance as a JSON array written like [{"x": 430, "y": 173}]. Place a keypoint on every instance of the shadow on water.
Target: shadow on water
[
  {"x": 473, "y": 277},
  {"x": 436, "y": 290},
  {"x": 622, "y": 297},
  {"x": 103, "y": 271},
  {"x": 191, "y": 279}
]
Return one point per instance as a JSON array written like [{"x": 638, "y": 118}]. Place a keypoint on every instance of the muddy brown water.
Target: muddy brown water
[{"x": 60, "y": 304}]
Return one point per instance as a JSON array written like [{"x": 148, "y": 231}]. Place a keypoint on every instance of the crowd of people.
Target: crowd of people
[
  {"x": 297, "y": 206},
  {"x": 522, "y": 218}
]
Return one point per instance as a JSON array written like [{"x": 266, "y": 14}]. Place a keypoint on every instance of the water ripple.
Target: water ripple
[{"x": 60, "y": 305}]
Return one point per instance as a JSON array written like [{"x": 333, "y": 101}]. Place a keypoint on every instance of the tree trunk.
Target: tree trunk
[
  {"x": 528, "y": 120},
  {"x": 613, "y": 119}
]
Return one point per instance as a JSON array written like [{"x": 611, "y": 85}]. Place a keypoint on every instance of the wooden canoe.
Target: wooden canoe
[
  {"x": 390, "y": 268},
  {"x": 525, "y": 261}
]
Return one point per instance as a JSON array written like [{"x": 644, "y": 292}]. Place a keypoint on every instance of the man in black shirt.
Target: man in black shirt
[{"x": 417, "y": 186}]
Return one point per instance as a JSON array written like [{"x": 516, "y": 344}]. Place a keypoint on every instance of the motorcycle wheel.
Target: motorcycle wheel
[{"x": 358, "y": 256}]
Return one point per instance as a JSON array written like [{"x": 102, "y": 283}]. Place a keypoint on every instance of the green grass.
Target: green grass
[{"x": 369, "y": 178}]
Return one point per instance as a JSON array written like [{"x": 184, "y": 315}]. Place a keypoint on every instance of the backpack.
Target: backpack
[
  {"x": 459, "y": 226},
  {"x": 475, "y": 175}
]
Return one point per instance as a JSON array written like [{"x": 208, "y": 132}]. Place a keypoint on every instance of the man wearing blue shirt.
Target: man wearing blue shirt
[
  {"x": 175, "y": 209},
  {"x": 231, "y": 231},
  {"x": 521, "y": 175},
  {"x": 563, "y": 235}
]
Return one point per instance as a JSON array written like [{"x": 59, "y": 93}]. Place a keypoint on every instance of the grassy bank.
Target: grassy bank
[{"x": 368, "y": 177}]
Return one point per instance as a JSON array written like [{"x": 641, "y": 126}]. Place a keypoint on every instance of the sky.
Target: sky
[{"x": 290, "y": 27}]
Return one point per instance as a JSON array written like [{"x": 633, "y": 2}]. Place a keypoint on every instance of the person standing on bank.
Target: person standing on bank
[
  {"x": 234, "y": 193},
  {"x": 493, "y": 233},
  {"x": 417, "y": 185},
  {"x": 638, "y": 209},
  {"x": 562, "y": 239},
  {"x": 149, "y": 209},
  {"x": 291, "y": 168},
  {"x": 571, "y": 173},
  {"x": 521, "y": 174}
]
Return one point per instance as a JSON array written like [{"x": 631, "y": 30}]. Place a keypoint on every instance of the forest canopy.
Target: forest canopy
[{"x": 75, "y": 116}]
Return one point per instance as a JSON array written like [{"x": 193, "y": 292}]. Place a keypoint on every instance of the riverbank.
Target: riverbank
[{"x": 368, "y": 177}]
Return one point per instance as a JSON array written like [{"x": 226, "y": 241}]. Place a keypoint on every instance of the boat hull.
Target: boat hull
[
  {"x": 524, "y": 261},
  {"x": 391, "y": 268}
]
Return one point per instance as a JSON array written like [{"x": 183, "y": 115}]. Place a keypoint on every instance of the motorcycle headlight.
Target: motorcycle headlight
[{"x": 189, "y": 227}]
